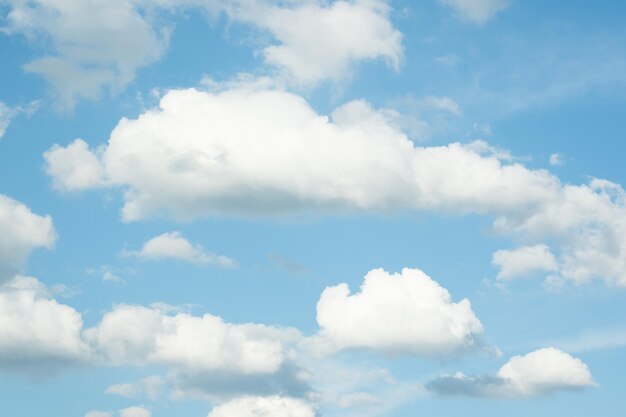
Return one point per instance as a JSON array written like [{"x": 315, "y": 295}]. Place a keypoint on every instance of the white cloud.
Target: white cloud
[
  {"x": 135, "y": 412},
  {"x": 541, "y": 372},
  {"x": 94, "y": 45},
  {"x": 21, "y": 231},
  {"x": 399, "y": 313},
  {"x": 174, "y": 246},
  {"x": 6, "y": 114},
  {"x": 322, "y": 40},
  {"x": 556, "y": 159},
  {"x": 249, "y": 151},
  {"x": 544, "y": 371},
  {"x": 524, "y": 261},
  {"x": 189, "y": 344},
  {"x": 150, "y": 387},
  {"x": 74, "y": 168},
  {"x": 204, "y": 159},
  {"x": 273, "y": 406},
  {"x": 37, "y": 333},
  {"x": 476, "y": 11}
]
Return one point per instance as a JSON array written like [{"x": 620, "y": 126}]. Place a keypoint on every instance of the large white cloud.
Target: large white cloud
[
  {"x": 21, "y": 231},
  {"x": 245, "y": 151},
  {"x": 174, "y": 246},
  {"x": 38, "y": 334},
  {"x": 541, "y": 372},
  {"x": 250, "y": 151},
  {"x": 476, "y": 11},
  {"x": 399, "y": 313},
  {"x": 264, "y": 407}
]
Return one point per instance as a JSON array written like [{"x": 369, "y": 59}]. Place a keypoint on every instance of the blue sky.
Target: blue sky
[{"x": 312, "y": 208}]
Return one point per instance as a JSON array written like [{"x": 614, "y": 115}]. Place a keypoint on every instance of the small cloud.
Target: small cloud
[
  {"x": 537, "y": 373},
  {"x": 447, "y": 60},
  {"x": 289, "y": 265},
  {"x": 556, "y": 160},
  {"x": 150, "y": 387},
  {"x": 174, "y": 246},
  {"x": 476, "y": 11}
]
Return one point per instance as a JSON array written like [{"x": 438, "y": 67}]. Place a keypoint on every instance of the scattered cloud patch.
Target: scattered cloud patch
[
  {"x": 556, "y": 159},
  {"x": 150, "y": 387},
  {"x": 406, "y": 313},
  {"x": 174, "y": 246},
  {"x": 537, "y": 373},
  {"x": 476, "y": 11}
]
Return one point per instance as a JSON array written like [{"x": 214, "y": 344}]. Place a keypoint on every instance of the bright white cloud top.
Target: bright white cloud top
[
  {"x": 405, "y": 313},
  {"x": 541, "y": 372}
]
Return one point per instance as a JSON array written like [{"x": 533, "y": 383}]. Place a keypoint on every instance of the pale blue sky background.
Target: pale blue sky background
[{"x": 536, "y": 79}]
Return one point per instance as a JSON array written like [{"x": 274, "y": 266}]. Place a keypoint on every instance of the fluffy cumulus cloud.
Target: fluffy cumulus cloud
[
  {"x": 21, "y": 231},
  {"x": 476, "y": 11},
  {"x": 74, "y": 168},
  {"x": 524, "y": 261},
  {"x": 38, "y": 334},
  {"x": 396, "y": 313},
  {"x": 250, "y": 151},
  {"x": 273, "y": 406},
  {"x": 541, "y": 372},
  {"x": 174, "y": 246}
]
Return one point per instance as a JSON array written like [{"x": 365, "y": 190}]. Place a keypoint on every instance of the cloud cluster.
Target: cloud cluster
[
  {"x": 98, "y": 46},
  {"x": 251, "y": 151},
  {"x": 174, "y": 246},
  {"x": 541, "y": 372},
  {"x": 21, "y": 231},
  {"x": 397, "y": 313}
]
